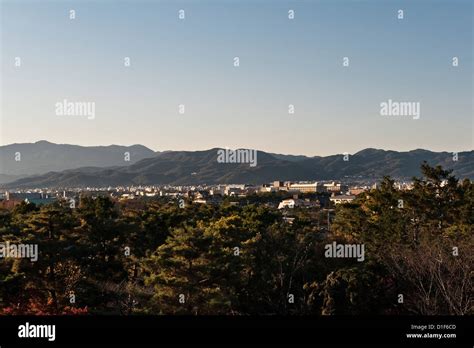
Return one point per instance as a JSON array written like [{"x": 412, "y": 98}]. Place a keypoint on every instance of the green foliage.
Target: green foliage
[{"x": 158, "y": 258}]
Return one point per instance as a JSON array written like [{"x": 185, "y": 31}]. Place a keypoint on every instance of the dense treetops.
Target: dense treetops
[{"x": 107, "y": 258}]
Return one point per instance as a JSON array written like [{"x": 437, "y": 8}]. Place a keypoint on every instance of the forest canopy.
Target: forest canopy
[{"x": 104, "y": 257}]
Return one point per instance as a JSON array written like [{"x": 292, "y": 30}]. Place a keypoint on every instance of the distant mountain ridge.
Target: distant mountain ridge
[
  {"x": 42, "y": 157},
  {"x": 202, "y": 167}
]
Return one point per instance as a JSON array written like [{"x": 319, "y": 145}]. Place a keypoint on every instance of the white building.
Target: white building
[
  {"x": 307, "y": 187},
  {"x": 342, "y": 199},
  {"x": 287, "y": 203},
  {"x": 292, "y": 203}
]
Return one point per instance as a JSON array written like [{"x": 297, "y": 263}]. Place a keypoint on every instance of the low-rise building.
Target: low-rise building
[
  {"x": 287, "y": 203},
  {"x": 268, "y": 188},
  {"x": 306, "y": 187},
  {"x": 335, "y": 187},
  {"x": 339, "y": 199},
  {"x": 295, "y": 202},
  {"x": 234, "y": 191}
]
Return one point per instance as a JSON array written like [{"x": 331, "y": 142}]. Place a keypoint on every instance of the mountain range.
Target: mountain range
[
  {"x": 44, "y": 164},
  {"x": 20, "y": 160}
]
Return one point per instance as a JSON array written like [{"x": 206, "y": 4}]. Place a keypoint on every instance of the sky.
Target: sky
[{"x": 283, "y": 61}]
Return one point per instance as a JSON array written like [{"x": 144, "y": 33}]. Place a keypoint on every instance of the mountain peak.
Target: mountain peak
[{"x": 369, "y": 151}]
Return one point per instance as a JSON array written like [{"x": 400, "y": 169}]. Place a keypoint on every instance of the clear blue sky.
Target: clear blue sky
[{"x": 282, "y": 62}]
